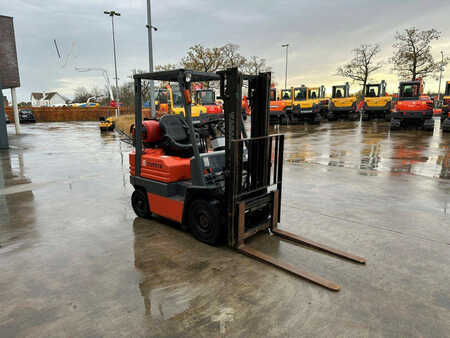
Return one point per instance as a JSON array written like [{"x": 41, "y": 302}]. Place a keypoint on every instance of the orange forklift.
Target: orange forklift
[{"x": 209, "y": 176}]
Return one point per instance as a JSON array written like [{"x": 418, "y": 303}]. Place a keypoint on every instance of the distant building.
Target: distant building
[{"x": 51, "y": 99}]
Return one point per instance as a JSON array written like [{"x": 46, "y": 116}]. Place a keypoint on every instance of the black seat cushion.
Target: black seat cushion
[{"x": 175, "y": 137}]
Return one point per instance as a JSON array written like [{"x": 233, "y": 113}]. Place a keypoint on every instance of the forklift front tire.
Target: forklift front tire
[
  {"x": 204, "y": 221},
  {"x": 139, "y": 203}
]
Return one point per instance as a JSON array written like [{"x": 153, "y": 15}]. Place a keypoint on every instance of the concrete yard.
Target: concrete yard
[{"x": 76, "y": 261}]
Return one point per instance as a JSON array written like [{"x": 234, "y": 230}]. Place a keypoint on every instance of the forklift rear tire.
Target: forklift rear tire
[
  {"x": 204, "y": 221},
  {"x": 139, "y": 203}
]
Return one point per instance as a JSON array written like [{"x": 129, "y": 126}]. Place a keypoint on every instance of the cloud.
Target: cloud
[{"x": 321, "y": 35}]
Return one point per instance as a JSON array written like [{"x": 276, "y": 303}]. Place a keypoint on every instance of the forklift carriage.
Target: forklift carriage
[{"x": 230, "y": 193}]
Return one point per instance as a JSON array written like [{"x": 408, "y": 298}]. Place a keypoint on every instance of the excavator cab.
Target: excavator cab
[
  {"x": 207, "y": 99},
  {"x": 376, "y": 103},
  {"x": 410, "y": 90},
  {"x": 220, "y": 195},
  {"x": 342, "y": 105}
]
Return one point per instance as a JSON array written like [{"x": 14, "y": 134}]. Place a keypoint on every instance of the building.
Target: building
[{"x": 51, "y": 99}]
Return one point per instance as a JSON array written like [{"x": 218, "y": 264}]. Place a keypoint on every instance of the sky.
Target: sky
[{"x": 321, "y": 36}]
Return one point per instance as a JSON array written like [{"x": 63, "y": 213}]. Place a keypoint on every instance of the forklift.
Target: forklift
[
  {"x": 225, "y": 194},
  {"x": 342, "y": 105},
  {"x": 376, "y": 104}
]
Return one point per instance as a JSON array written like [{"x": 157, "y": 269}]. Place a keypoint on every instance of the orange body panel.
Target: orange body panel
[
  {"x": 279, "y": 105},
  {"x": 159, "y": 167},
  {"x": 414, "y": 105},
  {"x": 213, "y": 109},
  {"x": 166, "y": 207}
]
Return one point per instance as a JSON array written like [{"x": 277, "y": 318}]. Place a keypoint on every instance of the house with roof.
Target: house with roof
[{"x": 50, "y": 99}]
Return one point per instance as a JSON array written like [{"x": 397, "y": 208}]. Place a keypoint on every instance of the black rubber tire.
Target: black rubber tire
[
  {"x": 140, "y": 204},
  {"x": 204, "y": 221}
]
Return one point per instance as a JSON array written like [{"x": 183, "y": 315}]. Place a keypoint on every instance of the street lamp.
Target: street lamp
[
  {"x": 440, "y": 76},
  {"x": 285, "y": 73},
  {"x": 150, "y": 54},
  {"x": 112, "y": 14}
]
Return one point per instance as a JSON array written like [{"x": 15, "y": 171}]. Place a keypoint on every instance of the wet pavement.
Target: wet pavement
[{"x": 75, "y": 261}]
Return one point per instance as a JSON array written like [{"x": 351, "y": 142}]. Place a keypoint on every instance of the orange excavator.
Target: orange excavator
[
  {"x": 412, "y": 107},
  {"x": 207, "y": 98},
  {"x": 280, "y": 106}
]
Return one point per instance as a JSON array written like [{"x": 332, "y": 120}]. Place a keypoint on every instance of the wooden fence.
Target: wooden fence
[{"x": 62, "y": 114}]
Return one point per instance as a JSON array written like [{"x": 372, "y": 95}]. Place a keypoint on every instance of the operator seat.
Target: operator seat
[
  {"x": 175, "y": 136},
  {"x": 372, "y": 93},
  {"x": 313, "y": 95},
  {"x": 338, "y": 93}
]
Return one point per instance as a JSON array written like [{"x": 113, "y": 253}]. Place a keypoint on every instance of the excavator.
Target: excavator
[
  {"x": 297, "y": 105},
  {"x": 308, "y": 104},
  {"x": 412, "y": 107},
  {"x": 342, "y": 105},
  {"x": 213, "y": 178},
  {"x": 318, "y": 100},
  {"x": 280, "y": 106},
  {"x": 169, "y": 100},
  {"x": 376, "y": 103},
  {"x": 445, "y": 117},
  {"x": 207, "y": 99}
]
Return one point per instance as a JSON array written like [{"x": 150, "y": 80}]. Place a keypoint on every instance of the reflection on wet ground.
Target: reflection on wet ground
[
  {"x": 370, "y": 147},
  {"x": 75, "y": 260}
]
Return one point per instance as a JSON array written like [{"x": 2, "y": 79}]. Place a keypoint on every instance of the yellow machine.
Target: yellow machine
[
  {"x": 170, "y": 100},
  {"x": 315, "y": 105},
  {"x": 342, "y": 105},
  {"x": 106, "y": 124},
  {"x": 376, "y": 104}
]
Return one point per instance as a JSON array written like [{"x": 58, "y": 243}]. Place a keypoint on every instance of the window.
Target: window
[
  {"x": 409, "y": 90},
  {"x": 162, "y": 96},
  {"x": 273, "y": 95},
  {"x": 300, "y": 94},
  {"x": 206, "y": 97},
  {"x": 372, "y": 91},
  {"x": 313, "y": 93},
  {"x": 177, "y": 97},
  {"x": 285, "y": 94}
]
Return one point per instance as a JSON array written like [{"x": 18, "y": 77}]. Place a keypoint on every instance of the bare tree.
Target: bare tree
[
  {"x": 203, "y": 59},
  {"x": 231, "y": 56},
  {"x": 362, "y": 65},
  {"x": 255, "y": 65},
  {"x": 413, "y": 58},
  {"x": 168, "y": 66},
  {"x": 81, "y": 94}
]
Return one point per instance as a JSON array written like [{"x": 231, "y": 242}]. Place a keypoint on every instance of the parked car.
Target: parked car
[
  {"x": 7, "y": 119},
  {"x": 26, "y": 116}
]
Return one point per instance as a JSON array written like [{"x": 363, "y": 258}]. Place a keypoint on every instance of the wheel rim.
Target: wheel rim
[{"x": 203, "y": 223}]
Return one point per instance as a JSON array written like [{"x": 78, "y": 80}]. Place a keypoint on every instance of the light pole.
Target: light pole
[
  {"x": 112, "y": 14},
  {"x": 440, "y": 77},
  {"x": 150, "y": 54},
  {"x": 285, "y": 72}
]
